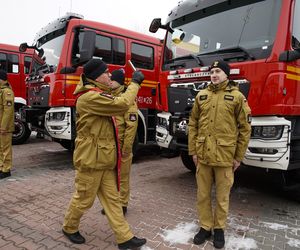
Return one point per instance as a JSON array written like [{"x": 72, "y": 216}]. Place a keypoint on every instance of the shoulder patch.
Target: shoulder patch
[
  {"x": 107, "y": 95},
  {"x": 203, "y": 97},
  {"x": 132, "y": 117},
  {"x": 229, "y": 97}
]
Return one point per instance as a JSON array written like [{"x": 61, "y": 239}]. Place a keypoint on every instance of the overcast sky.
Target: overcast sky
[{"x": 21, "y": 20}]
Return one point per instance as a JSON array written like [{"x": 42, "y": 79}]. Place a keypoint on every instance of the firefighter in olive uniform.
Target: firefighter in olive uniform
[
  {"x": 219, "y": 132},
  {"x": 96, "y": 153},
  {"x": 7, "y": 125},
  {"x": 127, "y": 125}
]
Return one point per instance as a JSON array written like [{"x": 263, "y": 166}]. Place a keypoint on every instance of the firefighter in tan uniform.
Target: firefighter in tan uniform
[
  {"x": 96, "y": 153},
  {"x": 219, "y": 132},
  {"x": 127, "y": 125},
  {"x": 7, "y": 125}
]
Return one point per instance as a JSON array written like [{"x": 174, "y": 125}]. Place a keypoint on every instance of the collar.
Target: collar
[
  {"x": 117, "y": 91},
  {"x": 219, "y": 86}
]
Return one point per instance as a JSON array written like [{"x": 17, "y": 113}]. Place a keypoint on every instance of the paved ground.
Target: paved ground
[{"x": 162, "y": 206}]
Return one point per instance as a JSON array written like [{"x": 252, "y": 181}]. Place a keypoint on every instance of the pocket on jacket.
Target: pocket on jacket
[
  {"x": 200, "y": 147},
  {"x": 225, "y": 150},
  {"x": 106, "y": 155}
]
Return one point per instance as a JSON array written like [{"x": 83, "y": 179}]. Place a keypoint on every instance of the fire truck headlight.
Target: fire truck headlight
[
  {"x": 162, "y": 122},
  {"x": 267, "y": 151},
  {"x": 267, "y": 132},
  {"x": 56, "y": 116}
]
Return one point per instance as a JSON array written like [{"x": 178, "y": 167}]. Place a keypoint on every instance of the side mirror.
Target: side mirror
[
  {"x": 23, "y": 47},
  {"x": 155, "y": 25},
  {"x": 289, "y": 55},
  {"x": 88, "y": 46}
]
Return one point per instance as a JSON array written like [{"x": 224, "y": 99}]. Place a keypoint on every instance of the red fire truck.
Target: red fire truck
[
  {"x": 68, "y": 43},
  {"x": 260, "y": 40},
  {"x": 18, "y": 65}
]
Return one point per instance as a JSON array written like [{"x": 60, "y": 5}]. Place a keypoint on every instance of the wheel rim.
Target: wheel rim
[{"x": 19, "y": 129}]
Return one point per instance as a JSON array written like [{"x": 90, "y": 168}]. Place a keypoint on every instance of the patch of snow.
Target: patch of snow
[
  {"x": 236, "y": 243},
  {"x": 181, "y": 234},
  {"x": 146, "y": 248},
  {"x": 275, "y": 226},
  {"x": 294, "y": 243},
  {"x": 235, "y": 224}
]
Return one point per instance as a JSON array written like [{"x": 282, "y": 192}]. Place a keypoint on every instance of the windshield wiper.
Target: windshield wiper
[
  {"x": 189, "y": 56},
  {"x": 43, "y": 69},
  {"x": 231, "y": 50}
]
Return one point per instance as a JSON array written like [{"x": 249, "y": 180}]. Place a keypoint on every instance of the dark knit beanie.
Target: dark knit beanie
[
  {"x": 94, "y": 68},
  {"x": 222, "y": 65},
  {"x": 118, "y": 75},
  {"x": 3, "y": 75}
]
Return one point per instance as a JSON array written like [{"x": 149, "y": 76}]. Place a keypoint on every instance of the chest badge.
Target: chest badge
[
  {"x": 229, "y": 97},
  {"x": 203, "y": 97}
]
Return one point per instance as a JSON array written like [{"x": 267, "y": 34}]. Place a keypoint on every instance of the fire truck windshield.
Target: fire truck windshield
[
  {"x": 52, "y": 50},
  {"x": 248, "y": 29}
]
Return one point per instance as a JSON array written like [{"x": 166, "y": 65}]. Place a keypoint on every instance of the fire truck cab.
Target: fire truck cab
[
  {"x": 260, "y": 41},
  {"x": 67, "y": 43}
]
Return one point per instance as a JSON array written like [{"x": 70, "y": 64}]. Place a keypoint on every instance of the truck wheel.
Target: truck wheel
[
  {"x": 67, "y": 144},
  {"x": 290, "y": 184},
  {"x": 187, "y": 161},
  {"x": 21, "y": 133}
]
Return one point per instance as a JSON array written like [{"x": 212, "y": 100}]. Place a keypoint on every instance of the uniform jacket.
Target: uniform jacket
[
  {"x": 96, "y": 142},
  {"x": 7, "y": 113},
  {"x": 127, "y": 124},
  {"x": 219, "y": 125}
]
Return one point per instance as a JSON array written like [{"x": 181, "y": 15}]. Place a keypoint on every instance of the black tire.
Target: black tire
[
  {"x": 67, "y": 144},
  {"x": 21, "y": 133},
  {"x": 187, "y": 161}
]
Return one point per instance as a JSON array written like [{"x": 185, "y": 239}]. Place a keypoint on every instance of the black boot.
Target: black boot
[
  {"x": 132, "y": 243},
  {"x": 201, "y": 236},
  {"x": 76, "y": 238},
  {"x": 219, "y": 240},
  {"x": 4, "y": 174}
]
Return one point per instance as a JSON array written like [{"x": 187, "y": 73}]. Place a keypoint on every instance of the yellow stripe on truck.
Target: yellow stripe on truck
[{"x": 293, "y": 69}]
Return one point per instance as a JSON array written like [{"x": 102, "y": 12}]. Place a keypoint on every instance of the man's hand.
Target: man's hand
[
  {"x": 236, "y": 164},
  {"x": 138, "y": 77},
  {"x": 195, "y": 160}
]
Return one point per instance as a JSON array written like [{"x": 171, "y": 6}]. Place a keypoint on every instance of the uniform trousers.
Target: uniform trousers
[
  {"x": 88, "y": 185},
  {"x": 126, "y": 162},
  {"x": 5, "y": 151},
  {"x": 223, "y": 178}
]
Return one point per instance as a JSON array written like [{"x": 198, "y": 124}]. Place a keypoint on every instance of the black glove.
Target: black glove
[{"x": 138, "y": 77}]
